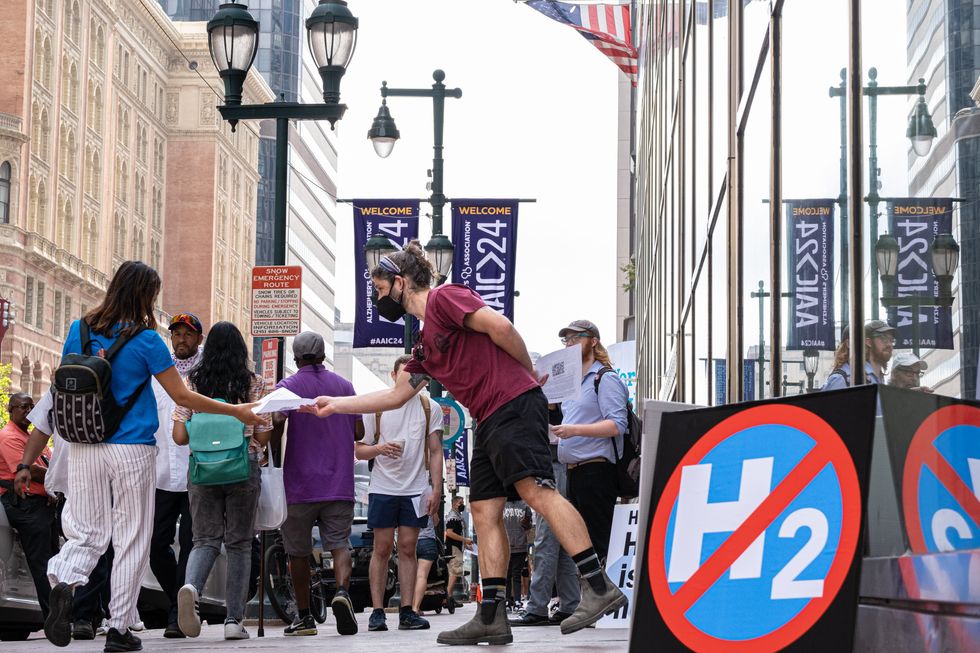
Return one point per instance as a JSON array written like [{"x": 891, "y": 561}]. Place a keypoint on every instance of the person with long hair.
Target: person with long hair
[
  {"x": 222, "y": 513},
  {"x": 111, "y": 484},
  {"x": 482, "y": 360}
]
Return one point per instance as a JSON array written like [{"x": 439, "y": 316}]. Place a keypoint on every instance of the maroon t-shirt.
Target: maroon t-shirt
[{"x": 481, "y": 375}]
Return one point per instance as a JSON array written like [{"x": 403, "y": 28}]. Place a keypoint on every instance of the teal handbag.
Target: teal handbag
[{"x": 219, "y": 449}]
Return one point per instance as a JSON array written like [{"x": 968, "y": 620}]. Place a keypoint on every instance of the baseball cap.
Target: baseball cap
[
  {"x": 187, "y": 319},
  {"x": 579, "y": 326},
  {"x": 871, "y": 328},
  {"x": 910, "y": 361},
  {"x": 308, "y": 346}
]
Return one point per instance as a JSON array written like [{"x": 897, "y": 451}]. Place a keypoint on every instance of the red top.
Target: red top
[
  {"x": 479, "y": 374},
  {"x": 13, "y": 440}
]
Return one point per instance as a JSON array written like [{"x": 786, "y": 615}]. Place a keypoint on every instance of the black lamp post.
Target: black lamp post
[
  {"x": 811, "y": 360},
  {"x": 383, "y": 135},
  {"x": 7, "y": 317},
  {"x": 921, "y": 132},
  {"x": 945, "y": 258},
  {"x": 233, "y": 41}
]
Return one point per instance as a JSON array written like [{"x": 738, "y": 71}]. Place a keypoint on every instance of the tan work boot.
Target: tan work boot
[
  {"x": 475, "y": 631},
  {"x": 594, "y": 605}
]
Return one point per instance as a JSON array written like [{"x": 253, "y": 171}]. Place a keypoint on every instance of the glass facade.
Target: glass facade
[{"x": 739, "y": 118}]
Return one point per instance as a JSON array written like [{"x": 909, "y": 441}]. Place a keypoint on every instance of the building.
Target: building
[
  {"x": 287, "y": 65},
  {"x": 115, "y": 152},
  {"x": 941, "y": 45}
]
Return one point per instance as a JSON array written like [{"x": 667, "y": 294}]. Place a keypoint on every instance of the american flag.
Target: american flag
[{"x": 607, "y": 27}]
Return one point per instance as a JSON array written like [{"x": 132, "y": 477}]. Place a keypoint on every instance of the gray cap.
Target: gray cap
[
  {"x": 909, "y": 361},
  {"x": 871, "y": 328},
  {"x": 308, "y": 346},
  {"x": 580, "y": 326}
]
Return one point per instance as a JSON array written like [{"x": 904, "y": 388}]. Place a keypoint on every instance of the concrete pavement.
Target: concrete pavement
[{"x": 544, "y": 639}]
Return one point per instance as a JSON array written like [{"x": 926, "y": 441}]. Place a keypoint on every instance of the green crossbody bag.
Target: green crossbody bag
[{"x": 219, "y": 449}]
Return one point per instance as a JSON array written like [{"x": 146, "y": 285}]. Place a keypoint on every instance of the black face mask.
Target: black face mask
[{"x": 390, "y": 309}]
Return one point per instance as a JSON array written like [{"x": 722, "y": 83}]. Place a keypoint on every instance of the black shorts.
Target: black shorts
[{"x": 512, "y": 444}]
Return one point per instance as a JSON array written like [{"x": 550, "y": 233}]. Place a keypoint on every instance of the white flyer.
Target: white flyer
[
  {"x": 564, "y": 370},
  {"x": 281, "y": 399}
]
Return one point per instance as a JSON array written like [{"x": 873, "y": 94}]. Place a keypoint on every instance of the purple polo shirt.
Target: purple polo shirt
[{"x": 319, "y": 462}]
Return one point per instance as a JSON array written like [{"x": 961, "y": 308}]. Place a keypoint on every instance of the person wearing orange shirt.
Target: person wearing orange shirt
[{"x": 32, "y": 515}]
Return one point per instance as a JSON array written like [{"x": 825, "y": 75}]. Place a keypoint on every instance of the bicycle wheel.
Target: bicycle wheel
[
  {"x": 318, "y": 598},
  {"x": 279, "y": 583}
]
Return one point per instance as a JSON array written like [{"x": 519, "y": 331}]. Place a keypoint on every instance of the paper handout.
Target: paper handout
[
  {"x": 281, "y": 399},
  {"x": 564, "y": 370}
]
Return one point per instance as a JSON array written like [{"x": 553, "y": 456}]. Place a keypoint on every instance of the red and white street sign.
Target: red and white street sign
[
  {"x": 270, "y": 358},
  {"x": 277, "y": 300}
]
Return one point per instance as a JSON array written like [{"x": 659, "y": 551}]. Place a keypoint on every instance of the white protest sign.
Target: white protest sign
[{"x": 621, "y": 559}]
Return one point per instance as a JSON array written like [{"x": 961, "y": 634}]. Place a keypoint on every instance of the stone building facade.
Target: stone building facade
[{"x": 116, "y": 151}]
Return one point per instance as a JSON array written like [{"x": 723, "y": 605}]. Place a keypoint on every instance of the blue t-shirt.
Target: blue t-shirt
[{"x": 144, "y": 356}]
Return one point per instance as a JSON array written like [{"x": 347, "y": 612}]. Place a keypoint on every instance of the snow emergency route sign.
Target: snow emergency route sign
[
  {"x": 755, "y": 531},
  {"x": 277, "y": 300},
  {"x": 941, "y": 481}
]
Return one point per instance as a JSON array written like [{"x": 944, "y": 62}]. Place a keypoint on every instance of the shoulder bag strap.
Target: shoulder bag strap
[
  {"x": 427, "y": 409},
  {"x": 598, "y": 378},
  {"x": 377, "y": 427},
  {"x": 84, "y": 336},
  {"x": 121, "y": 342}
]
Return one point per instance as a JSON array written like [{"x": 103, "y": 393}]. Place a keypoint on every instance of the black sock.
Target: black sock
[
  {"x": 493, "y": 591},
  {"x": 588, "y": 565},
  {"x": 405, "y": 609},
  {"x": 304, "y": 613}
]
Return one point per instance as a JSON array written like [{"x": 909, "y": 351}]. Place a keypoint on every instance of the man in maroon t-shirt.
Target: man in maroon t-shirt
[{"x": 478, "y": 355}]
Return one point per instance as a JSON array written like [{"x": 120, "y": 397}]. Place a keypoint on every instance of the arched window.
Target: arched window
[
  {"x": 154, "y": 254},
  {"x": 141, "y": 142},
  {"x": 97, "y": 113},
  {"x": 95, "y": 174},
  {"x": 73, "y": 19},
  {"x": 91, "y": 239},
  {"x": 119, "y": 237},
  {"x": 139, "y": 244},
  {"x": 5, "y": 192},
  {"x": 32, "y": 204},
  {"x": 140, "y": 195},
  {"x": 157, "y": 208},
  {"x": 41, "y": 220},
  {"x": 126, "y": 68},
  {"x": 38, "y": 55},
  {"x": 66, "y": 226},
  {"x": 222, "y": 220},
  {"x": 72, "y": 153},
  {"x": 45, "y": 133},
  {"x": 100, "y": 47}
]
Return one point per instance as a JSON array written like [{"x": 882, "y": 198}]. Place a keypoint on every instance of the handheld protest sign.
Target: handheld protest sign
[{"x": 755, "y": 538}]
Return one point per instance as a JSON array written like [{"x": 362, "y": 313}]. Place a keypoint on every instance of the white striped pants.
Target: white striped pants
[{"x": 110, "y": 497}]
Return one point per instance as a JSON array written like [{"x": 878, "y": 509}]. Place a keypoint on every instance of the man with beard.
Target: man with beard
[
  {"x": 590, "y": 426},
  {"x": 879, "y": 342},
  {"x": 907, "y": 373},
  {"x": 186, "y": 335}
]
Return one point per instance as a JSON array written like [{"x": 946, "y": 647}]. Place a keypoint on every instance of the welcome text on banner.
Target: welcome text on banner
[
  {"x": 485, "y": 255},
  {"x": 399, "y": 221}
]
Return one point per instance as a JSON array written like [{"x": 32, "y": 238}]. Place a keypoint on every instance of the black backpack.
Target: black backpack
[
  {"x": 627, "y": 463},
  {"x": 85, "y": 410}
]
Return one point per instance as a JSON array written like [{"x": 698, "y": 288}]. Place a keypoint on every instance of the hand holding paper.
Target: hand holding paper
[
  {"x": 562, "y": 371},
  {"x": 281, "y": 399}
]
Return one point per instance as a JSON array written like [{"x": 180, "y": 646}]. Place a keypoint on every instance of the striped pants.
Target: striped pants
[{"x": 110, "y": 497}]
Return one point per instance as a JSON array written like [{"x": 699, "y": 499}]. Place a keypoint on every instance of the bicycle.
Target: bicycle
[{"x": 279, "y": 584}]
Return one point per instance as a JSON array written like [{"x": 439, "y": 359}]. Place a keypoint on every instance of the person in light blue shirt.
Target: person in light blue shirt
[
  {"x": 879, "y": 343},
  {"x": 591, "y": 434}
]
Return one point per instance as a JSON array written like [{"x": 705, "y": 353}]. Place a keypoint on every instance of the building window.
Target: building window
[
  {"x": 57, "y": 313},
  {"x": 68, "y": 314},
  {"x": 29, "y": 301},
  {"x": 119, "y": 237},
  {"x": 5, "y": 192},
  {"x": 39, "y": 313}
]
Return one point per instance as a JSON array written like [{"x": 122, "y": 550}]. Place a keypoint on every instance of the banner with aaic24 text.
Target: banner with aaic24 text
[
  {"x": 810, "y": 224},
  {"x": 485, "y": 255},
  {"x": 915, "y": 222},
  {"x": 399, "y": 221}
]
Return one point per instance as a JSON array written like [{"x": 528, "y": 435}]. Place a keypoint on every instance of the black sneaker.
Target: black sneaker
[
  {"x": 377, "y": 620},
  {"x": 410, "y": 620},
  {"x": 82, "y": 629},
  {"x": 57, "y": 627},
  {"x": 173, "y": 631},
  {"x": 558, "y": 616},
  {"x": 343, "y": 610},
  {"x": 301, "y": 626},
  {"x": 116, "y": 641},
  {"x": 530, "y": 619}
]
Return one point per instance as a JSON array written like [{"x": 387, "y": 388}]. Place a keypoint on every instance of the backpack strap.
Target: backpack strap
[
  {"x": 84, "y": 336},
  {"x": 840, "y": 371},
  {"x": 377, "y": 427},
  {"x": 595, "y": 382},
  {"x": 427, "y": 409},
  {"x": 121, "y": 342}
]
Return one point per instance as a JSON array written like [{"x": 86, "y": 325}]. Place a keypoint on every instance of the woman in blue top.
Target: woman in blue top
[{"x": 110, "y": 495}]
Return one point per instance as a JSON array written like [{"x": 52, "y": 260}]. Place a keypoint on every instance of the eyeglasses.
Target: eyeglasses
[
  {"x": 572, "y": 338},
  {"x": 25, "y": 406},
  {"x": 916, "y": 373},
  {"x": 887, "y": 339}
]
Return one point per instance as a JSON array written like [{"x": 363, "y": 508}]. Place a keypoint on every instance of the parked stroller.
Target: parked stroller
[{"x": 436, "y": 594}]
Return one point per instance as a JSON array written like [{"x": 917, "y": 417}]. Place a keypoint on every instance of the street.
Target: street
[{"x": 527, "y": 639}]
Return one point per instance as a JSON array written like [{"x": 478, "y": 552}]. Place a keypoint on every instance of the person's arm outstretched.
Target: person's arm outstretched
[{"x": 406, "y": 386}]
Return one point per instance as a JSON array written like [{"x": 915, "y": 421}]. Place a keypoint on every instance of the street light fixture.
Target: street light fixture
[
  {"x": 7, "y": 317},
  {"x": 886, "y": 253},
  {"x": 377, "y": 247},
  {"x": 945, "y": 261},
  {"x": 921, "y": 130},
  {"x": 383, "y": 132},
  {"x": 332, "y": 33},
  {"x": 440, "y": 251},
  {"x": 233, "y": 39},
  {"x": 811, "y": 360}
]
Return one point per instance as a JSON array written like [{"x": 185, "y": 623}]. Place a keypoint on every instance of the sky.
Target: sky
[{"x": 537, "y": 119}]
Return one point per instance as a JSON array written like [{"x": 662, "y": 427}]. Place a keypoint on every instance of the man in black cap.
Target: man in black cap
[{"x": 879, "y": 342}]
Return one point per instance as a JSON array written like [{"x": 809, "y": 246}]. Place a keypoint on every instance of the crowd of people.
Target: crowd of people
[{"x": 128, "y": 473}]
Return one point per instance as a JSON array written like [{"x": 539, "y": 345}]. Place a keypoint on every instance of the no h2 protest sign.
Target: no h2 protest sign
[{"x": 277, "y": 300}]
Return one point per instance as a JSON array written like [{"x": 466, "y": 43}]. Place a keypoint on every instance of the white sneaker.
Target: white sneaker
[
  {"x": 187, "y": 615},
  {"x": 103, "y": 628},
  {"x": 234, "y": 630},
  {"x": 137, "y": 627}
]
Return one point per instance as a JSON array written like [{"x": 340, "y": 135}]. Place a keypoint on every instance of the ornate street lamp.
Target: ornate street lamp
[
  {"x": 440, "y": 251},
  {"x": 811, "y": 360},
  {"x": 332, "y": 33},
  {"x": 376, "y": 247},
  {"x": 383, "y": 132},
  {"x": 921, "y": 130},
  {"x": 233, "y": 39},
  {"x": 886, "y": 255},
  {"x": 945, "y": 260}
]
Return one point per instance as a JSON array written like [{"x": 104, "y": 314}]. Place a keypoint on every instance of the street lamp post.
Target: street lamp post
[
  {"x": 945, "y": 256},
  {"x": 921, "y": 132},
  {"x": 383, "y": 135},
  {"x": 233, "y": 42},
  {"x": 811, "y": 359},
  {"x": 7, "y": 317}
]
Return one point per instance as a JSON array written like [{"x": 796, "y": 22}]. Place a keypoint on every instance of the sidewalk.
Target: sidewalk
[{"x": 545, "y": 639}]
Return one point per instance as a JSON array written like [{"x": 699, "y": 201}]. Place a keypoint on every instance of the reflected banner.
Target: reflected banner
[
  {"x": 399, "y": 221},
  {"x": 811, "y": 274},
  {"x": 485, "y": 254},
  {"x": 915, "y": 221}
]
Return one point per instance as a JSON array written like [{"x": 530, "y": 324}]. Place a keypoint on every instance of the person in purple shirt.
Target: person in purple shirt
[{"x": 318, "y": 474}]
